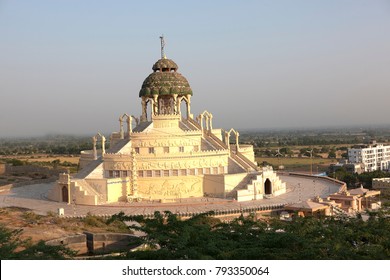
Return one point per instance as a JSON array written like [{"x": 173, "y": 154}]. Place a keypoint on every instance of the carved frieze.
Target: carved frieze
[
  {"x": 183, "y": 164},
  {"x": 170, "y": 188},
  {"x": 165, "y": 143}
]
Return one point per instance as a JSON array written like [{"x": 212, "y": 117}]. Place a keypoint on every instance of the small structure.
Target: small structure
[
  {"x": 309, "y": 208},
  {"x": 313, "y": 207},
  {"x": 356, "y": 200}
]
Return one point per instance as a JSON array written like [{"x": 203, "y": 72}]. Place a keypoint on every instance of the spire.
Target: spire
[{"x": 162, "y": 47}]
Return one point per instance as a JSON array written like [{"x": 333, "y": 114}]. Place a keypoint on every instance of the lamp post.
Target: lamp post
[{"x": 311, "y": 161}]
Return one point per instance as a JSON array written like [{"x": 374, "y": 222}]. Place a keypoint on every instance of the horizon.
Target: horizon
[
  {"x": 276, "y": 66},
  {"x": 346, "y": 129}
]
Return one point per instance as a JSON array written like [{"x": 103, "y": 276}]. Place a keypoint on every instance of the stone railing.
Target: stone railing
[{"x": 184, "y": 155}]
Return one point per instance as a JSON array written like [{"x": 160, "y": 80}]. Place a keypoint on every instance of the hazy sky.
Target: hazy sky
[{"x": 74, "y": 66}]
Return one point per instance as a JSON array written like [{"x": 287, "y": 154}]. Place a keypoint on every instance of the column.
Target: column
[
  {"x": 201, "y": 123},
  {"x": 134, "y": 174},
  {"x": 178, "y": 105},
  {"x": 237, "y": 134},
  {"x": 175, "y": 104},
  {"x": 121, "y": 127},
  {"x": 94, "y": 140},
  {"x": 227, "y": 140},
  {"x": 103, "y": 145},
  {"x": 188, "y": 106},
  {"x": 144, "y": 116},
  {"x": 155, "y": 105},
  {"x": 129, "y": 128}
]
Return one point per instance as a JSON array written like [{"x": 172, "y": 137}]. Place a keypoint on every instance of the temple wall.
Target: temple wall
[
  {"x": 100, "y": 186},
  {"x": 170, "y": 187},
  {"x": 117, "y": 189},
  {"x": 232, "y": 180},
  {"x": 55, "y": 193},
  {"x": 214, "y": 185},
  {"x": 219, "y": 185}
]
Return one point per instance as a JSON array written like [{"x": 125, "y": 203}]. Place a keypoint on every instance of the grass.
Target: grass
[{"x": 299, "y": 164}]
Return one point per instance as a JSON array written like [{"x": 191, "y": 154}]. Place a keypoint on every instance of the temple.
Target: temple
[{"x": 167, "y": 154}]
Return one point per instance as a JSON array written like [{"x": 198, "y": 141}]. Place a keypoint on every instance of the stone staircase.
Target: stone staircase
[
  {"x": 118, "y": 146},
  {"x": 85, "y": 193},
  {"x": 337, "y": 211},
  {"x": 251, "y": 165},
  {"x": 193, "y": 124},
  {"x": 246, "y": 165},
  {"x": 247, "y": 180},
  {"x": 142, "y": 126},
  {"x": 221, "y": 145}
]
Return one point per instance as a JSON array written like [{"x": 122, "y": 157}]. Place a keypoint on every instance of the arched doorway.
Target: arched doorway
[
  {"x": 65, "y": 194},
  {"x": 267, "y": 186}
]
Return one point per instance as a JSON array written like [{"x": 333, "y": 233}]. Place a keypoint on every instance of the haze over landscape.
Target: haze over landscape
[{"x": 73, "y": 67}]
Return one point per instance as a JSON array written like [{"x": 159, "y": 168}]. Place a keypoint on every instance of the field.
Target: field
[
  {"x": 299, "y": 164},
  {"x": 48, "y": 158}
]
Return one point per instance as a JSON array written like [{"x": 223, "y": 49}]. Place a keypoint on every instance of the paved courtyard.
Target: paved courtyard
[{"x": 298, "y": 189}]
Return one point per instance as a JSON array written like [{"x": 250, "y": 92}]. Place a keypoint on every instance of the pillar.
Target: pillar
[
  {"x": 121, "y": 127},
  {"x": 175, "y": 104},
  {"x": 178, "y": 105},
  {"x": 129, "y": 128},
  {"x": 211, "y": 122},
  {"x": 207, "y": 122},
  {"x": 103, "y": 145},
  {"x": 94, "y": 140},
  {"x": 144, "y": 116},
  {"x": 188, "y": 106},
  {"x": 227, "y": 140},
  {"x": 134, "y": 174},
  {"x": 201, "y": 123},
  {"x": 155, "y": 105},
  {"x": 237, "y": 134}
]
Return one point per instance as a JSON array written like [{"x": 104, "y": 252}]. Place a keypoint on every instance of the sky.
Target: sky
[{"x": 73, "y": 67}]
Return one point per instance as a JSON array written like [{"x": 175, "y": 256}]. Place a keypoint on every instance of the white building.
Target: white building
[{"x": 373, "y": 157}]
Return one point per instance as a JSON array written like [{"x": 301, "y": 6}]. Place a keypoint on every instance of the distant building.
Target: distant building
[
  {"x": 349, "y": 167},
  {"x": 381, "y": 183},
  {"x": 373, "y": 157}
]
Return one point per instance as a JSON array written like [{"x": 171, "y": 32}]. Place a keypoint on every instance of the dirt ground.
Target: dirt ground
[
  {"x": 36, "y": 227},
  {"x": 44, "y": 157}
]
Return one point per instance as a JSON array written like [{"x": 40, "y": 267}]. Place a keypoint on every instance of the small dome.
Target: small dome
[
  {"x": 165, "y": 64},
  {"x": 165, "y": 80}
]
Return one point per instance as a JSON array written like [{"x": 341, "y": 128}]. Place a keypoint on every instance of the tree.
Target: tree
[
  {"x": 332, "y": 154},
  {"x": 204, "y": 237}
]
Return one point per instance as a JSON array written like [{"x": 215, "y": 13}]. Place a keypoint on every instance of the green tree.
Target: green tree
[
  {"x": 204, "y": 237},
  {"x": 332, "y": 154}
]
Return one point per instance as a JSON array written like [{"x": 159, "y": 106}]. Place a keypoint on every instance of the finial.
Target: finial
[{"x": 162, "y": 46}]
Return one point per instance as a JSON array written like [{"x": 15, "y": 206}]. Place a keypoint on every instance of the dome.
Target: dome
[
  {"x": 165, "y": 64},
  {"x": 165, "y": 80}
]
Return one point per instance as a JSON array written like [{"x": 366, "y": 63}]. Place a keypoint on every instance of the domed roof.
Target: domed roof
[
  {"x": 165, "y": 63},
  {"x": 165, "y": 80}
]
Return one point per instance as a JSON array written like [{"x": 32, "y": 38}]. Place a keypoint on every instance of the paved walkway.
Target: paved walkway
[{"x": 34, "y": 197}]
